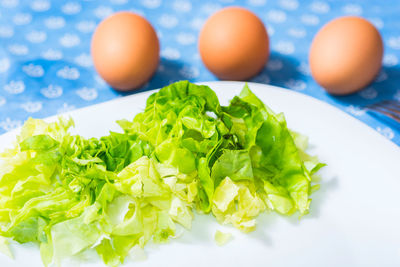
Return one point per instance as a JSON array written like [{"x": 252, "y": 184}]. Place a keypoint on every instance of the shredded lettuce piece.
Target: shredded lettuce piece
[
  {"x": 184, "y": 153},
  {"x": 222, "y": 238},
  {"x": 4, "y": 247}
]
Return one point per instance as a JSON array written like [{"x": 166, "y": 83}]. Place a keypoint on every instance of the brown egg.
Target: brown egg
[
  {"x": 234, "y": 44},
  {"x": 346, "y": 55},
  {"x": 125, "y": 50}
]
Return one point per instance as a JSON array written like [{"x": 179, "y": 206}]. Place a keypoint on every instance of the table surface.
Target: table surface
[{"x": 46, "y": 67}]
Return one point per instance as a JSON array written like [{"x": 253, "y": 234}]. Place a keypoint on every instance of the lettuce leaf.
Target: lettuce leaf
[
  {"x": 222, "y": 238},
  {"x": 4, "y": 248},
  {"x": 185, "y": 152}
]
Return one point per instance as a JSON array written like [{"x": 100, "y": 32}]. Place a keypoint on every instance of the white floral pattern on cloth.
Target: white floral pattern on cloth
[
  {"x": 40, "y": 5},
  {"x": 356, "y": 110},
  {"x": 65, "y": 107},
  {"x": 4, "y": 64},
  {"x": 6, "y": 31},
  {"x": 71, "y": 8},
  {"x": 2, "y": 101},
  {"x": 46, "y": 67},
  {"x": 36, "y": 36},
  {"x": 22, "y": 18},
  {"x": 386, "y": 132},
  {"x": 52, "y": 54},
  {"x": 289, "y": 4},
  {"x": 84, "y": 60},
  {"x": 52, "y": 91},
  {"x": 297, "y": 85},
  {"x": 54, "y": 22},
  {"x": 18, "y": 50},
  {"x": 14, "y": 87},
  {"x": 8, "y": 124},
  {"x": 32, "y": 107},
  {"x": 274, "y": 65},
  {"x": 33, "y": 70},
  {"x": 171, "y": 53},
  {"x": 87, "y": 94},
  {"x": 68, "y": 73}
]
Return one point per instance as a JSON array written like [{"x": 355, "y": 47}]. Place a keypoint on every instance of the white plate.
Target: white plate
[{"x": 354, "y": 219}]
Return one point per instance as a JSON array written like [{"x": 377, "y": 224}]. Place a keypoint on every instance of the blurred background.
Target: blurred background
[{"x": 46, "y": 67}]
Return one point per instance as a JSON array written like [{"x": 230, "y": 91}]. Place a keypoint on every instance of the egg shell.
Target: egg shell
[
  {"x": 346, "y": 55},
  {"x": 234, "y": 44},
  {"x": 125, "y": 50}
]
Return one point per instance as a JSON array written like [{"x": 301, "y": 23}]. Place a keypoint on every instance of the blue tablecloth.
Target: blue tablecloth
[{"x": 46, "y": 67}]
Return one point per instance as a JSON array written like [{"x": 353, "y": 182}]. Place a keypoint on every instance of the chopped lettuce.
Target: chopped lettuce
[
  {"x": 184, "y": 153},
  {"x": 4, "y": 248},
  {"x": 222, "y": 238}
]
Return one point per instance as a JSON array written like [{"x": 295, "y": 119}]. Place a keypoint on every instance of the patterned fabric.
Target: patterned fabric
[{"x": 46, "y": 67}]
